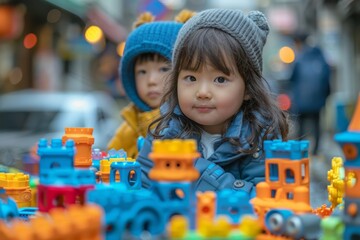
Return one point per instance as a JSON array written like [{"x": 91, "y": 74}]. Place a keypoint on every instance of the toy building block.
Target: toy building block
[
  {"x": 69, "y": 177},
  {"x": 133, "y": 211},
  {"x": 206, "y": 206},
  {"x": 336, "y": 188},
  {"x": 174, "y": 160},
  {"x": 8, "y": 207},
  {"x": 96, "y": 156},
  {"x": 220, "y": 228},
  {"x": 178, "y": 227},
  {"x": 34, "y": 182},
  {"x": 176, "y": 198},
  {"x": 350, "y": 143},
  {"x": 16, "y": 186},
  {"x": 83, "y": 139},
  {"x": 55, "y": 155},
  {"x": 275, "y": 221},
  {"x": 249, "y": 227},
  {"x": 105, "y": 167},
  {"x": 60, "y": 224},
  {"x": 50, "y": 197},
  {"x": 292, "y": 149},
  {"x": 233, "y": 204},
  {"x": 303, "y": 226},
  {"x": 287, "y": 179},
  {"x": 323, "y": 211},
  {"x": 332, "y": 228},
  {"x": 27, "y": 213},
  {"x": 354, "y": 125},
  {"x": 129, "y": 173}
]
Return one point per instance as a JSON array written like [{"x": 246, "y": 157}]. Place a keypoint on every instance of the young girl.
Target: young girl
[
  {"x": 217, "y": 96},
  {"x": 143, "y": 69}
]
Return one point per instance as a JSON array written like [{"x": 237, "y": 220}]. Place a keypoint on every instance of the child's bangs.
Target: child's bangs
[
  {"x": 208, "y": 46},
  {"x": 150, "y": 57}
]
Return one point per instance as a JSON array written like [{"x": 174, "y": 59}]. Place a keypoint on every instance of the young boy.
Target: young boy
[{"x": 143, "y": 69}]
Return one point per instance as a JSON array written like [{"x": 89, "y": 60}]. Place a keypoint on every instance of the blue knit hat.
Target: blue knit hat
[{"x": 153, "y": 37}]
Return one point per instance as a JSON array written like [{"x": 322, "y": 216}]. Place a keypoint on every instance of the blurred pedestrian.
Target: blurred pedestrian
[
  {"x": 143, "y": 69},
  {"x": 310, "y": 87}
]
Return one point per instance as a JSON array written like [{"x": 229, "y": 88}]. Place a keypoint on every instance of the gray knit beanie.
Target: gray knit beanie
[{"x": 249, "y": 30}]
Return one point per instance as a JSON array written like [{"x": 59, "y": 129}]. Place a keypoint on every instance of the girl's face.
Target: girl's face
[
  {"x": 209, "y": 97},
  {"x": 150, "y": 80}
]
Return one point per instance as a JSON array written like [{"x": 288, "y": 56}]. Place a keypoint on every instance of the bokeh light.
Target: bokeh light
[
  {"x": 286, "y": 54},
  {"x": 284, "y": 102},
  {"x": 120, "y": 49},
  {"x": 30, "y": 40},
  {"x": 93, "y": 34}
]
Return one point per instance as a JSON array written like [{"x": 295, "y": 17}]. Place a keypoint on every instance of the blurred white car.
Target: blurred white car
[{"x": 28, "y": 115}]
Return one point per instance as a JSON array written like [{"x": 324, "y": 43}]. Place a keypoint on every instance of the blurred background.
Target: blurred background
[{"x": 53, "y": 51}]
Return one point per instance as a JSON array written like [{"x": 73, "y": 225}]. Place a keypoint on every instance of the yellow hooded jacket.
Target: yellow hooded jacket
[{"x": 135, "y": 124}]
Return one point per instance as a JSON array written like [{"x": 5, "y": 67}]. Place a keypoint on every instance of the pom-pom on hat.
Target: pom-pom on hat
[
  {"x": 249, "y": 30},
  {"x": 152, "y": 37}
]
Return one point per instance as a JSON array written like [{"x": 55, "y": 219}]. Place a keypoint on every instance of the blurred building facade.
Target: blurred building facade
[{"x": 43, "y": 43}]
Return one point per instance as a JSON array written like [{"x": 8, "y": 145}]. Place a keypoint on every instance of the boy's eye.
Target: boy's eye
[
  {"x": 141, "y": 72},
  {"x": 190, "y": 78},
  {"x": 220, "y": 80}
]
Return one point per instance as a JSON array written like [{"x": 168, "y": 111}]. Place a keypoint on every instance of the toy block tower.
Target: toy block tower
[
  {"x": 350, "y": 143},
  {"x": 55, "y": 155},
  {"x": 174, "y": 175},
  {"x": 174, "y": 160},
  {"x": 286, "y": 178},
  {"x": 17, "y": 186},
  {"x": 83, "y": 141}
]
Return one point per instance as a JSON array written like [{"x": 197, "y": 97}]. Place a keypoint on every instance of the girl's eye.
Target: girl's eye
[
  {"x": 164, "y": 69},
  {"x": 220, "y": 80},
  {"x": 190, "y": 78}
]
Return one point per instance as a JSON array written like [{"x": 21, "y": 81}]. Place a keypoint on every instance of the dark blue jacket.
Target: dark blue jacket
[
  {"x": 310, "y": 81},
  {"x": 225, "y": 168}
]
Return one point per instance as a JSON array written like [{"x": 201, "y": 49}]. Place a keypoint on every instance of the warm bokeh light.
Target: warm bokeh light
[
  {"x": 93, "y": 34},
  {"x": 30, "y": 40},
  {"x": 120, "y": 49},
  {"x": 286, "y": 54},
  {"x": 284, "y": 102}
]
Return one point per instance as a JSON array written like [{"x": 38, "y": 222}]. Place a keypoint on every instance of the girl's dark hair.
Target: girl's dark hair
[{"x": 215, "y": 47}]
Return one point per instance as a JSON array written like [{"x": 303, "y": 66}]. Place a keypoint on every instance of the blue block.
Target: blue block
[
  {"x": 56, "y": 155},
  {"x": 124, "y": 169},
  {"x": 8, "y": 207},
  {"x": 351, "y": 232},
  {"x": 173, "y": 204},
  {"x": 292, "y": 149},
  {"x": 234, "y": 204},
  {"x": 68, "y": 177},
  {"x": 27, "y": 212},
  {"x": 128, "y": 211}
]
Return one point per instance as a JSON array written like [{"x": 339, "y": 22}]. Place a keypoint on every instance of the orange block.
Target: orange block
[
  {"x": 354, "y": 125},
  {"x": 83, "y": 141}
]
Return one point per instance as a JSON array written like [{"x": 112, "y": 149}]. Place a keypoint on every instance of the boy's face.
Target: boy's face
[{"x": 150, "y": 80}]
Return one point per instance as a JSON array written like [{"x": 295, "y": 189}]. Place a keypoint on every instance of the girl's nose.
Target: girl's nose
[{"x": 203, "y": 91}]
